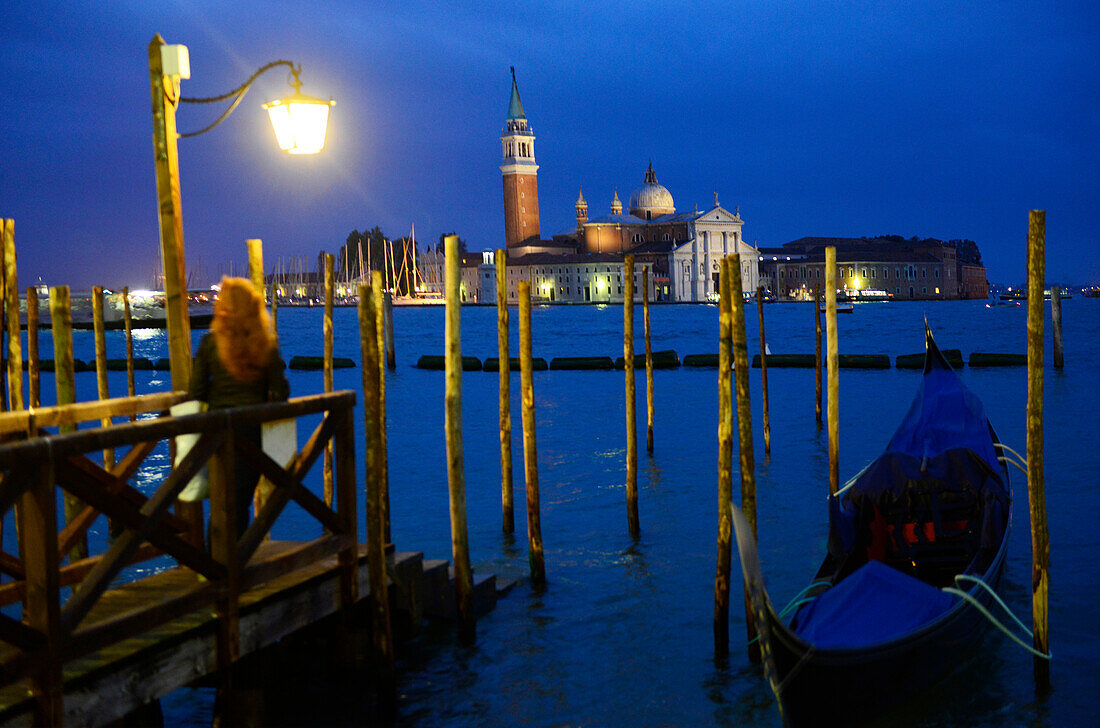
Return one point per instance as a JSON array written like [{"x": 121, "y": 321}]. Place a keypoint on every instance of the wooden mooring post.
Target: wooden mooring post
[
  {"x": 380, "y": 298},
  {"x": 818, "y": 300},
  {"x": 725, "y": 466},
  {"x": 504, "y": 369},
  {"x": 34, "y": 398},
  {"x": 256, "y": 263},
  {"x": 740, "y": 348},
  {"x": 763, "y": 372},
  {"x": 65, "y": 378},
  {"x": 275, "y": 308},
  {"x": 1040, "y": 537},
  {"x": 264, "y": 488},
  {"x": 381, "y": 629},
  {"x": 530, "y": 448},
  {"x": 1056, "y": 324},
  {"x": 387, "y": 316},
  {"x": 631, "y": 400},
  {"x": 456, "y": 475},
  {"x": 102, "y": 390},
  {"x": 326, "y": 330},
  {"x": 11, "y": 312},
  {"x": 128, "y": 325},
  {"x": 833, "y": 370},
  {"x": 648, "y": 363}
]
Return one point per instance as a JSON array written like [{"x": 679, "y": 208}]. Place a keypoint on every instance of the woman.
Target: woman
[{"x": 238, "y": 364}]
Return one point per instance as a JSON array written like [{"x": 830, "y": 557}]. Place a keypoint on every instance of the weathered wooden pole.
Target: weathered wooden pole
[
  {"x": 264, "y": 488},
  {"x": 456, "y": 470},
  {"x": 328, "y": 336},
  {"x": 530, "y": 449},
  {"x": 631, "y": 399},
  {"x": 834, "y": 374},
  {"x": 165, "y": 91},
  {"x": 725, "y": 466},
  {"x": 387, "y": 315},
  {"x": 256, "y": 264},
  {"x": 1036, "y": 498},
  {"x": 33, "y": 370},
  {"x": 763, "y": 372},
  {"x": 505, "y": 373},
  {"x": 275, "y": 308},
  {"x": 11, "y": 312},
  {"x": 1056, "y": 324},
  {"x": 101, "y": 363},
  {"x": 818, "y": 300},
  {"x": 740, "y": 347},
  {"x": 128, "y": 325},
  {"x": 380, "y": 295},
  {"x": 648, "y": 363},
  {"x": 65, "y": 378},
  {"x": 381, "y": 629}
]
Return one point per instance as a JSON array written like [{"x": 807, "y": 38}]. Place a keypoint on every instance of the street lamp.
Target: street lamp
[{"x": 300, "y": 123}]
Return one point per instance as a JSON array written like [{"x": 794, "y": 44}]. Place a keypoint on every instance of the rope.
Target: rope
[
  {"x": 1010, "y": 461},
  {"x": 853, "y": 480},
  {"x": 985, "y": 612},
  {"x": 1006, "y": 447}
]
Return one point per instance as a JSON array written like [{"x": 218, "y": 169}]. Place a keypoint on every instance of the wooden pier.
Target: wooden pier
[{"x": 88, "y": 647}]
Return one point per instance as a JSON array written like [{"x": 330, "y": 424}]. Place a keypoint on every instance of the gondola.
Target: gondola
[{"x": 883, "y": 618}]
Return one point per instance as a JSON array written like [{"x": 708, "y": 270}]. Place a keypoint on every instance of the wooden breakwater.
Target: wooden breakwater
[{"x": 669, "y": 359}]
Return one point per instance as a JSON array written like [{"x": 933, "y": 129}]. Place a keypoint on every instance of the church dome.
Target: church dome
[{"x": 651, "y": 200}]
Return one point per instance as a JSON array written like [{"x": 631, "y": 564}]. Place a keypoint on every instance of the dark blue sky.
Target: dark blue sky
[{"x": 938, "y": 119}]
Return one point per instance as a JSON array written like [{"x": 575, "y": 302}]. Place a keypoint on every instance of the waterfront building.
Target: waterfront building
[
  {"x": 682, "y": 249},
  {"x": 910, "y": 269}
]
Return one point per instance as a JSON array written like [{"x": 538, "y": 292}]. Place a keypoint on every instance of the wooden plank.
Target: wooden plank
[
  {"x": 259, "y": 572},
  {"x": 74, "y": 414},
  {"x": 78, "y": 443},
  {"x": 72, "y": 573}
]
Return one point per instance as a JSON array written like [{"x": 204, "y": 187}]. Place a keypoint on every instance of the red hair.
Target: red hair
[{"x": 242, "y": 330}]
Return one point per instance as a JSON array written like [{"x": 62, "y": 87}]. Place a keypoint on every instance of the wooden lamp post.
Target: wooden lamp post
[{"x": 300, "y": 123}]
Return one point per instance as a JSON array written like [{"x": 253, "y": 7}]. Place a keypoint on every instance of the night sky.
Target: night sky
[{"x": 937, "y": 119}]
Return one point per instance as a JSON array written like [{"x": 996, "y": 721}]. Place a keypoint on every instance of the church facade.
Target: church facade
[{"x": 681, "y": 250}]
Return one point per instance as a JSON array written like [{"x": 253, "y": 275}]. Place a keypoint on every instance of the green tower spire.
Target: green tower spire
[{"x": 515, "y": 108}]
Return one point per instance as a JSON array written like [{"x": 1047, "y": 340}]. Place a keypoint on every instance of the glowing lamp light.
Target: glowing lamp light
[{"x": 300, "y": 122}]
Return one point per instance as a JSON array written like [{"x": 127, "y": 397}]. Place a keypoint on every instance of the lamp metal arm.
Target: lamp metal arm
[{"x": 238, "y": 93}]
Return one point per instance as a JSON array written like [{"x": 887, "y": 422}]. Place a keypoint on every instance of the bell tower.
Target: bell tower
[{"x": 520, "y": 173}]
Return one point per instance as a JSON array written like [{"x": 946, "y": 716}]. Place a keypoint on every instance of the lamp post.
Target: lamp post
[{"x": 300, "y": 123}]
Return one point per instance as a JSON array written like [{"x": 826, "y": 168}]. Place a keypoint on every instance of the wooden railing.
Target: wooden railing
[{"x": 53, "y": 630}]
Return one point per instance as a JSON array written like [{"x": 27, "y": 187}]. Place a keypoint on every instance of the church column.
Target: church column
[
  {"x": 707, "y": 280},
  {"x": 695, "y": 268}
]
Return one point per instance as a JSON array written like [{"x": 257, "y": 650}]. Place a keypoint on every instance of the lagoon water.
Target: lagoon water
[{"x": 622, "y": 634}]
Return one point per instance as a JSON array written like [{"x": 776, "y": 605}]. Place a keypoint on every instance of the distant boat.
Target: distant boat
[
  {"x": 843, "y": 303},
  {"x": 1021, "y": 295},
  {"x": 862, "y": 295}
]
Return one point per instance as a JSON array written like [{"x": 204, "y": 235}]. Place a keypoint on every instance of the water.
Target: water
[{"x": 622, "y": 633}]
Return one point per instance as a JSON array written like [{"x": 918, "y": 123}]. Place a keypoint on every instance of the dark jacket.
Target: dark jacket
[{"x": 212, "y": 383}]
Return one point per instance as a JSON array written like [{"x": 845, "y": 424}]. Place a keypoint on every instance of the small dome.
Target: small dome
[{"x": 651, "y": 199}]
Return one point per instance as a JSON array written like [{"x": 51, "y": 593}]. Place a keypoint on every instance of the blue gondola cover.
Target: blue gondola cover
[{"x": 874, "y": 604}]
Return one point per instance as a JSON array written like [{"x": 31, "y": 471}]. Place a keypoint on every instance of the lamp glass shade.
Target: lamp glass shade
[{"x": 300, "y": 123}]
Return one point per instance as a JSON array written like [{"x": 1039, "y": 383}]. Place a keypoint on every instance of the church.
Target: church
[{"x": 681, "y": 249}]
